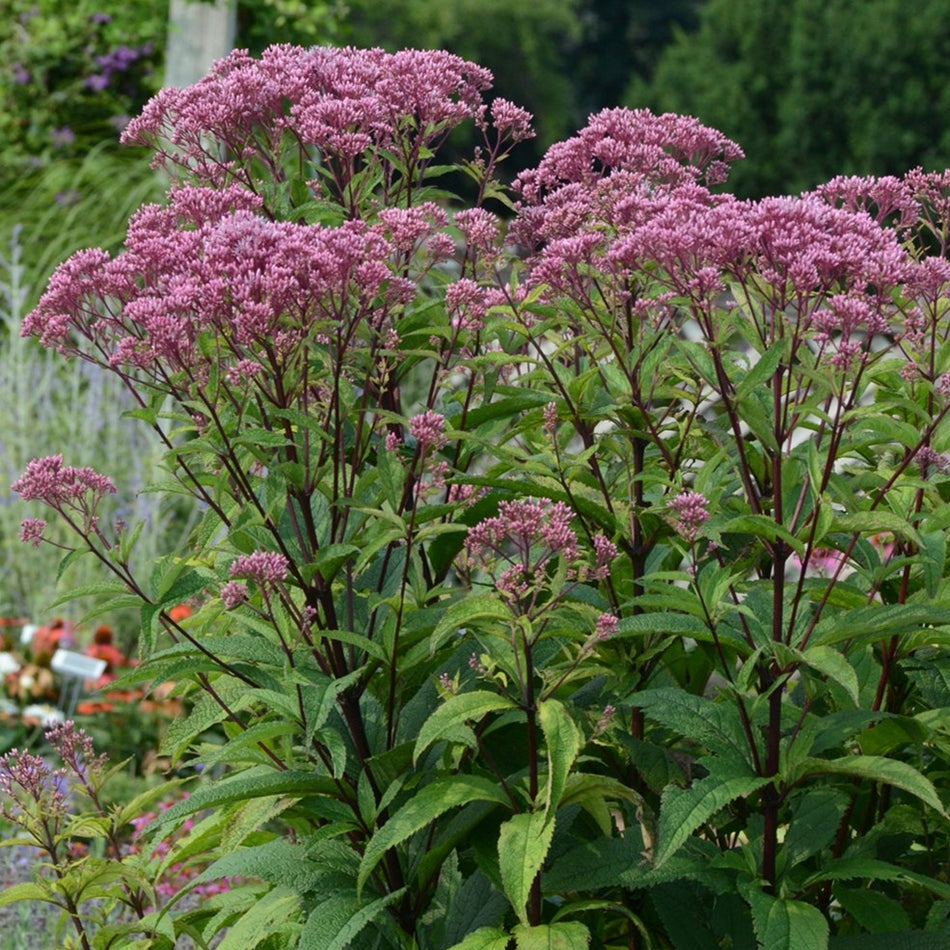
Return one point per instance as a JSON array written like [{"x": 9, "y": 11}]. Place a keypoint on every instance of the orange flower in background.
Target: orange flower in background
[
  {"x": 180, "y": 612},
  {"x": 47, "y": 640}
]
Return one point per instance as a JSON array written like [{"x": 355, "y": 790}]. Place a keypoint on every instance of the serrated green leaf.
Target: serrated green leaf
[
  {"x": 253, "y": 783},
  {"x": 564, "y": 742},
  {"x": 831, "y": 663},
  {"x": 870, "y": 869},
  {"x": 266, "y": 917},
  {"x": 874, "y": 768},
  {"x": 469, "y": 610},
  {"x": 455, "y": 712},
  {"x": 26, "y": 891},
  {"x": 334, "y": 922},
  {"x": 523, "y": 843},
  {"x": 782, "y": 924},
  {"x": 485, "y": 938},
  {"x": 683, "y": 810},
  {"x": 422, "y": 809},
  {"x": 564, "y": 935},
  {"x": 873, "y": 911}
]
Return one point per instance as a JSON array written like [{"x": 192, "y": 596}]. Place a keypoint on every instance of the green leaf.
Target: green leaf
[
  {"x": 452, "y": 715},
  {"x": 485, "y": 938},
  {"x": 875, "y": 768},
  {"x": 782, "y": 924},
  {"x": 815, "y": 821},
  {"x": 764, "y": 369},
  {"x": 564, "y": 935},
  {"x": 266, "y": 917},
  {"x": 831, "y": 663},
  {"x": 333, "y": 923},
  {"x": 683, "y": 810},
  {"x": 253, "y": 783},
  {"x": 26, "y": 891},
  {"x": 761, "y": 526},
  {"x": 523, "y": 843},
  {"x": 877, "y": 522},
  {"x": 564, "y": 742},
  {"x": 850, "y": 869},
  {"x": 421, "y": 810},
  {"x": 468, "y": 610},
  {"x": 873, "y": 911}
]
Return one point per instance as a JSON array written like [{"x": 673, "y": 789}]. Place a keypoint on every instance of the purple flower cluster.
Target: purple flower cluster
[
  {"x": 115, "y": 61},
  {"x": 76, "y": 493}
]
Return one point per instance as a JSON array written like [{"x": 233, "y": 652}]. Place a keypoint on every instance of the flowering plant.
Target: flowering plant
[{"x": 514, "y": 601}]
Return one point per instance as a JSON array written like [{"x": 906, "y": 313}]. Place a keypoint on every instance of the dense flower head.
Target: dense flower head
[
  {"x": 210, "y": 262},
  {"x": 341, "y": 100},
  {"x": 887, "y": 199},
  {"x": 661, "y": 150},
  {"x": 31, "y": 531},
  {"x": 50, "y": 481},
  {"x": 428, "y": 429},
  {"x": 266, "y": 568},
  {"x": 690, "y": 511}
]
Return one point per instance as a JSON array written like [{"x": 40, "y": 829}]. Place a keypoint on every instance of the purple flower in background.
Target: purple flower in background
[
  {"x": 100, "y": 18},
  {"x": 66, "y": 199},
  {"x": 62, "y": 137},
  {"x": 21, "y": 75},
  {"x": 97, "y": 82}
]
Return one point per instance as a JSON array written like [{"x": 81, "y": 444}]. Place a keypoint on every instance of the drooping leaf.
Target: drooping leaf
[
  {"x": 421, "y": 810},
  {"x": 454, "y": 713},
  {"x": 523, "y": 843}
]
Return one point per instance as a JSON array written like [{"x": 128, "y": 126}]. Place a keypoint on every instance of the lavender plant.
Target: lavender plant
[
  {"x": 540, "y": 595},
  {"x": 74, "y": 408}
]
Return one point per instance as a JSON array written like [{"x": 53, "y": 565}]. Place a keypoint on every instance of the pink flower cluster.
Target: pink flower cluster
[
  {"x": 516, "y": 547},
  {"x": 428, "y": 430},
  {"x": 343, "y": 101},
  {"x": 266, "y": 568},
  {"x": 208, "y": 263},
  {"x": 690, "y": 512},
  {"x": 74, "y": 492}
]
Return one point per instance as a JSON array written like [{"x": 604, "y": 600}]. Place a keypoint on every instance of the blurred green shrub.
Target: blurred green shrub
[{"x": 73, "y": 74}]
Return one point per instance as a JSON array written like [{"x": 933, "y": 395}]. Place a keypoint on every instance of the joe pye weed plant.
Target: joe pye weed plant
[{"x": 572, "y": 582}]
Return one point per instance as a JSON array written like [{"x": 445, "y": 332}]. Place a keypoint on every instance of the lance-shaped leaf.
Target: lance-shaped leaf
[
  {"x": 875, "y": 768},
  {"x": 448, "y": 721},
  {"x": 523, "y": 843},
  {"x": 683, "y": 810},
  {"x": 564, "y": 742},
  {"x": 421, "y": 810}
]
